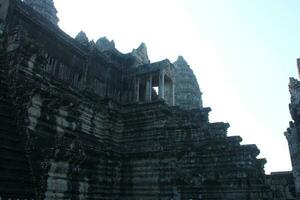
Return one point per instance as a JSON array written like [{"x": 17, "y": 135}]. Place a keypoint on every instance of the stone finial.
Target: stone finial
[
  {"x": 181, "y": 62},
  {"x": 45, "y": 8},
  {"x": 82, "y": 38},
  {"x": 187, "y": 91},
  {"x": 103, "y": 44},
  {"x": 141, "y": 54}
]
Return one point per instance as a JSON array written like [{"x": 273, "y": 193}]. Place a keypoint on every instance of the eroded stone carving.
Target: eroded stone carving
[
  {"x": 90, "y": 123},
  {"x": 141, "y": 54},
  {"x": 45, "y": 8},
  {"x": 292, "y": 133},
  {"x": 103, "y": 44}
]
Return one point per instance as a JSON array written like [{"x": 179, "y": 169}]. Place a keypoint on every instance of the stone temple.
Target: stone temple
[{"x": 81, "y": 120}]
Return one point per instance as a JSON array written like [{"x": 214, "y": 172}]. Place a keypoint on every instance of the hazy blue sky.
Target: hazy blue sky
[{"x": 242, "y": 52}]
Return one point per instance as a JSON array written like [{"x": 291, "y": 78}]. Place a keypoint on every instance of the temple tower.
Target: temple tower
[
  {"x": 187, "y": 92},
  {"x": 82, "y": 38},
  {"x": 45, "y": 8}
]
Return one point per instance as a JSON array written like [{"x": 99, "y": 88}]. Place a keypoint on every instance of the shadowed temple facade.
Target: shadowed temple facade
[{"x": 81, "y": 120}]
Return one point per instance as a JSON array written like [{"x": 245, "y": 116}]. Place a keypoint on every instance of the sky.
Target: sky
[{"x": 242, "y": 53}]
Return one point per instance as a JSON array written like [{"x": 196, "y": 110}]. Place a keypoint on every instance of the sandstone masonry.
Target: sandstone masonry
[{"x": 81, "y": 120}]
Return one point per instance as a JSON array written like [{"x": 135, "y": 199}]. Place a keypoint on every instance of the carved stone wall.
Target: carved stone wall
[
  {"x": 15, "y": 171},
  {"x": 172, "y": 154},
  {"x": 45, "y": 8},
  {"x": 71, "y": 129},
  {"x": 282, "y": 185}
]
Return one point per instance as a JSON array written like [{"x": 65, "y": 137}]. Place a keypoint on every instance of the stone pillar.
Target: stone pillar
[
  {"x": 173, "y": 93},
  {"x": 161, "y": 86},
  {"x": 137, "y": 87},
  {"x": 149, "y": 88}
]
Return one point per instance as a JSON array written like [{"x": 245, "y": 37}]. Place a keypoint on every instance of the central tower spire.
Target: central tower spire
[{"x": 44, "y": 7}]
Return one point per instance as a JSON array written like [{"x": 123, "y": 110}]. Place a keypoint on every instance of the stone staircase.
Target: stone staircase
[
  {"x": 15, "y": 175},
  {"x": 166, "y": 154}
]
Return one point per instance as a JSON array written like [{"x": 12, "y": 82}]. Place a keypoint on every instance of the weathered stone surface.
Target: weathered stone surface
[
  {"x": 292, "y": 134},
  {"x": 141, "y": 54},
  {"x": 103, "y": 44},
  {"x": 71, "y": 127},
  {"x": 82, "y": 38},
  {"x": 188, "y": 95},
  {"x": 45, "y": 8},
  {"x": 282, "y": 185},
  {"x": 15, "y": 174}
]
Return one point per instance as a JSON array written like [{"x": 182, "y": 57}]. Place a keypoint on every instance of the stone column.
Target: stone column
[
  {"x": 149, "y": 88},
  {"x": 137, "y": 92},
  {"x": 161, "y": 86},
  {"x": 173, "y": 93}
]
